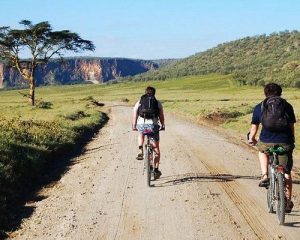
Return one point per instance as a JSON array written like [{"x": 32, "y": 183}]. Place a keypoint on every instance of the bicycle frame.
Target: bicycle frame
[
  {"x": 276, "y": 190},
  {"x": 148, "y": 159}
]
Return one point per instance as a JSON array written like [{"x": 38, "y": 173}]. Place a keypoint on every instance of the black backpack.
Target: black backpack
[
  {"x": 148, "y": 107},
  {"x": 274, "y": 116}
]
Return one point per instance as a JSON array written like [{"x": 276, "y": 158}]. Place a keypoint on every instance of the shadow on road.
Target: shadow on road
[
  {"x": 293, "y": 224},
  {"x": 199, "y": 177},
  {"x": 202, "y": 177}
]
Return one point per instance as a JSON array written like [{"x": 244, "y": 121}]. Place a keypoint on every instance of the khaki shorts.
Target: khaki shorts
[{"x": 286, "y": 160}]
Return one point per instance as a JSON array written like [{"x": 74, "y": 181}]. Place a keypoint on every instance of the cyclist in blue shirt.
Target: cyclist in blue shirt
[{"x": 269, "y": 138}]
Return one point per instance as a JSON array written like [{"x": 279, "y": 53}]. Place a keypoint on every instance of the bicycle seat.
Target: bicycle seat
[
  {"x": 277, "y": 149},
  {"x": 148, "y": 131}
]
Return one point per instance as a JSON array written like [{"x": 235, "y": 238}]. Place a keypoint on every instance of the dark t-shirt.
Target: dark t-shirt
[{"x": 274, "y": 137}]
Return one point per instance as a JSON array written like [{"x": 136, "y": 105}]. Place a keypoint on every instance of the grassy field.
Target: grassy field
[
  {"x": 29, "y": 135},
  {"x": 215, "y": 98},
  {"x": 31, "y": 138}
]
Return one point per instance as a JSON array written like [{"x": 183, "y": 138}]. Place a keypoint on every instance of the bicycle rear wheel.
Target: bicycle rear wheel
[
  {"x": 270, "y": 193},
  {"x": 281, "y": 200}
]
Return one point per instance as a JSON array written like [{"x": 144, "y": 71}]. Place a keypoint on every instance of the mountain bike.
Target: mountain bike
[
  {"x": 276, "y": 195},
  {"x": 149, "y": 160},
  {"x": 149, "y": 156},
  {"x": 276, "y": 191}
]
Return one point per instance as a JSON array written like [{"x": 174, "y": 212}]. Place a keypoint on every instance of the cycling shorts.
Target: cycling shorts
[{"x": 152, "y": 128}]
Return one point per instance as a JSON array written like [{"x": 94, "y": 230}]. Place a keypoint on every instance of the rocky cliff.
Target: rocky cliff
[{"x": 78, "y": 70}]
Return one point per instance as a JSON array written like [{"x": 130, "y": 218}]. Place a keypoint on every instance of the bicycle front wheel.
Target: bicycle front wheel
[{"x": 281, "y": 200}]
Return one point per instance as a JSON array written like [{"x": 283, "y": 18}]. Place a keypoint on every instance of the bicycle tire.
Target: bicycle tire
[
  {"x": 147, "y": 164},
  {"x": 281, "y": 200},
  {"x": 270, "y": 193}
]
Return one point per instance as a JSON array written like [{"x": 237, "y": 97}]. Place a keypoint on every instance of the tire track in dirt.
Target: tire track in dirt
[
  {"x": 255, "y": 216},
  {"x": 246, "y": 207},
  {"x": 104, "y": 195}
]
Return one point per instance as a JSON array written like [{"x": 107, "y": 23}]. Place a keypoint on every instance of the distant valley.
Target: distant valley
[{"x": 251, "y": 61}]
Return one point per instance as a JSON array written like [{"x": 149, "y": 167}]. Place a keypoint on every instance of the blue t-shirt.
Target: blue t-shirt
[{"x": 267, "y": 136}]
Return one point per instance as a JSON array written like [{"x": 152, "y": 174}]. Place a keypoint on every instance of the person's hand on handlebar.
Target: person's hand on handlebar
[
  {"x": 134, "y": 127},
  {"x": 251, "y": 140},
  {"x": 162, "y": 127}
]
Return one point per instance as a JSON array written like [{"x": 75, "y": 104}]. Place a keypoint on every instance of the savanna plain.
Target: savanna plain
[{"x": 64, "y": 115}]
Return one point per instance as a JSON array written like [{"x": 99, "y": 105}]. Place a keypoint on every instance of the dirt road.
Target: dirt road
[{"x": 208, "y": 190}]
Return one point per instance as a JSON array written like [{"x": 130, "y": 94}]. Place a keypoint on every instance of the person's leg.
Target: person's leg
[
  {"x": 263, "y": 160},
  {"x": 289, "y": 182},
  {"x": 156, "y": 153},
  {"x": 289, "y": 187},
  {"x": 157, "y": 172},
  {"x": 141, "y": 138}
]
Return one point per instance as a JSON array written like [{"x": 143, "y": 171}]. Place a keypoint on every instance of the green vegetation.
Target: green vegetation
[
  {"x": 42, "y": 43},
  {"x": 30, "y": 135},
  {"x": 252, "y": 61}
]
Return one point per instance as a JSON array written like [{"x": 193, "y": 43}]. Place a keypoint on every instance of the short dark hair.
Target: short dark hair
[
  {"x": 150, "y": 91},
  {"x": 272, "y": 89}
]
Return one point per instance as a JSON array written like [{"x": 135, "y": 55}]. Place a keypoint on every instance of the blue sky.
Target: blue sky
[{"x": 156, "y": 29}]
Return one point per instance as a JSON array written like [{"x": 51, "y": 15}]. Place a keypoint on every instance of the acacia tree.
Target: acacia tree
[{"x": 41, "y": 43}]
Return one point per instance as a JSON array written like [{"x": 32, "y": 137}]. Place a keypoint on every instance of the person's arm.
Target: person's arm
[
  {"x": 253, "y": 132},
  {"x": 161, "y": 116},
  {"x": 135, "y": 116},
  {"x": 292, "y": 118},
  {"x": 292, "y": 125},
  {"x": 255, "y": 124}
]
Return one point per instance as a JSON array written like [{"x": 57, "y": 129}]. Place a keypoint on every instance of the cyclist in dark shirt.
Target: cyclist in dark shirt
[{"x": 269, "y": 138}]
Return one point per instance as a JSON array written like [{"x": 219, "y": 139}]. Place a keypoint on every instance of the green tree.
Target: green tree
[{"x": 42, "y": 43}]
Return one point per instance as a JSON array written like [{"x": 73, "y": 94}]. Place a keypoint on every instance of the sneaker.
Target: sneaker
[
  {"x": 264, "y": 182},
  {"x": 157, "y": 173},
  {"x": 289, "y": 207}
]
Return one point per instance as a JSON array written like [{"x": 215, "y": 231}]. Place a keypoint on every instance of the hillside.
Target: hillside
[
  {"x": 252, "y": 61},
  {"x": 78, "y": 70}
]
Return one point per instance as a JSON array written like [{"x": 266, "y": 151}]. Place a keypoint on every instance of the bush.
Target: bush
[
  {"x": 44, "y": 105},
  {"x": 223, "y": 115},
  {"x": 76, "y": 116},
  {"x": 261, "y": 83},
  {"x": 297, "y": 84}
]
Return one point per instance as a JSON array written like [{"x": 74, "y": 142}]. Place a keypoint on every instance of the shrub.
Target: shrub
[
  {"x": 76, "y": 116},
  {"x": 125, "y": 100},
  {"x": 297, "y": 84},
  {"x": 44, "y": 105},
  {"x": 223, "y": 115}
]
